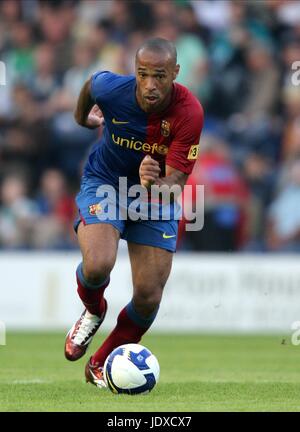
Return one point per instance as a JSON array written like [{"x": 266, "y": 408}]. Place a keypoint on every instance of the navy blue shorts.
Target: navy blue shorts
[{"x": 158, "y": 233}]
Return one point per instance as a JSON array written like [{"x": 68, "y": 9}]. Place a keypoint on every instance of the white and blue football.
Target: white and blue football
[{"x": 131, "y": 369}]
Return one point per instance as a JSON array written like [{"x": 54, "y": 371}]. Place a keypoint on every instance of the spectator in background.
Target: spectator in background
[
  {"x": 226, "y": 199},
  {"x": 252, "y": 126},
  {"x": 214, "y": 15},
  {"x": 10, "y": 11},
  {"x": 44, "y": 82},
  {"x": 188, "y": 23},
  {"x": 191, "y": 55},
  {"x": 111, "y": 55},
  {"x": 85, "y": 63},
  {"x": 69, "y": 141},
  {"x": 141, "y": 18},
  {"x": 89, "y": 14},
  {"x": 290, "y": 54},
  {"x": 10, "y": 14},
  {"x": 20, "y": 58},
  {"x": 227, "y": 54},
  {"x": 283, "y": 225},
  {"x": 55, "y": 26},
  {"x": 18, "y": 213},
  {"x": 288, "y": 12},
  {"x": 120, "y": 20},
  {"x": 262, "y": 82},
  {"x": 19, "y": 151},
  {"x": 29, "y": 115},
  {"x": 291, "y": 134},
  {"x": 260, "y": 178},
  {"x": 25, "y": 110},
  {"x": 57, "y": 212},
  {"x": 228, "y": 44}
]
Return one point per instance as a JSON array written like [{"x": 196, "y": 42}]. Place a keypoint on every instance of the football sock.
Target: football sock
[
  {"x": 129, "y": 329},
  {"x": 91, "y": 295}
]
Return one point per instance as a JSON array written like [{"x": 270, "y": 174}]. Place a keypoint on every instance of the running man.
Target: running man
[{"x": 151, "y": 136}]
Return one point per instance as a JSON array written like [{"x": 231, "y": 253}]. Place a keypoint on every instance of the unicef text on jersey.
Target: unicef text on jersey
[{"x": 158, "y": 203}]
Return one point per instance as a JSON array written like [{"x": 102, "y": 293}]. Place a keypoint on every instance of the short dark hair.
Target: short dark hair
[{"x": 159, "y": 45}]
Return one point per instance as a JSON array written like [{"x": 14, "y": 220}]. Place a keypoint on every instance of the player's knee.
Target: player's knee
[
  {"x": 96, "y": 269},
  {"x": 146, "y": 305},
  {"x": 148, "y": 297}
]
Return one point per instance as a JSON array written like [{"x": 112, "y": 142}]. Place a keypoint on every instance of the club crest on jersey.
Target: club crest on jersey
[
  {"x": 165, "y": 128},
  {"x": 95, "y": 209}
]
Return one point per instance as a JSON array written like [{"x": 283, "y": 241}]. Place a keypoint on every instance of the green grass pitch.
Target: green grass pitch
[{"x": 198, "y": 373}]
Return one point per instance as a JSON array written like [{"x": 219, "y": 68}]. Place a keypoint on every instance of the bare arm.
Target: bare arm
[
  {"x": 149, "y": 174},
  {"x": 87, "y": 114},
  {"x": 173, "y": 177}
]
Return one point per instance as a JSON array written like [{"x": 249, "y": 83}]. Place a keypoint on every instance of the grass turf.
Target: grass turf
[{"x": 198, "y": 373}]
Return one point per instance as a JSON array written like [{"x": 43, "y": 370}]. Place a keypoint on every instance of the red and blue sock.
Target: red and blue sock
[
  {"x": 91, "y": 295},
  {"x": 129, "y": 329}
]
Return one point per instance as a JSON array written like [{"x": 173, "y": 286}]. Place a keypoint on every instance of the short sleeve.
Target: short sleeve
[
  {"x": 184, "y": 148},
  {"x": 102, "y": 84}
]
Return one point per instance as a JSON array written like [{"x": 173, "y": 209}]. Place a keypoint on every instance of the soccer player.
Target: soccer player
[{"x": 151, "y": 136}]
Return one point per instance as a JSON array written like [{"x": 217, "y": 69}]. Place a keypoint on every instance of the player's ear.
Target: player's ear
[{"x": 176, "y": 71}]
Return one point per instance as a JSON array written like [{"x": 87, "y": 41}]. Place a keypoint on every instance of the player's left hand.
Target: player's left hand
[
  {"x": 149, "y": 171},
  {"x": 95, "y": 118}
]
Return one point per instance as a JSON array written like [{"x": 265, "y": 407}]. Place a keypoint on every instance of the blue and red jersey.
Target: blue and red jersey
[{"x": 170, "y": 137}]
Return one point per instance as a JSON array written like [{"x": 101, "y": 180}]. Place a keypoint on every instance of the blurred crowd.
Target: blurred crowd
[{"x": 236, "y": 56}]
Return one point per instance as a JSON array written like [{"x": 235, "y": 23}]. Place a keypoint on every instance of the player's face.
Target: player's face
[{"x": 155, "y": 74}]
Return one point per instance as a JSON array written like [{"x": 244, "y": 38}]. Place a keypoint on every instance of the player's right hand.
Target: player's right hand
[
  {"x": 149, "y": 171},
  {"x": 95, "y": 118}
]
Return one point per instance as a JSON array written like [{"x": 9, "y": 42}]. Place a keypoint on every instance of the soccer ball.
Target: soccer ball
[{"x": 131, "y": 369}]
